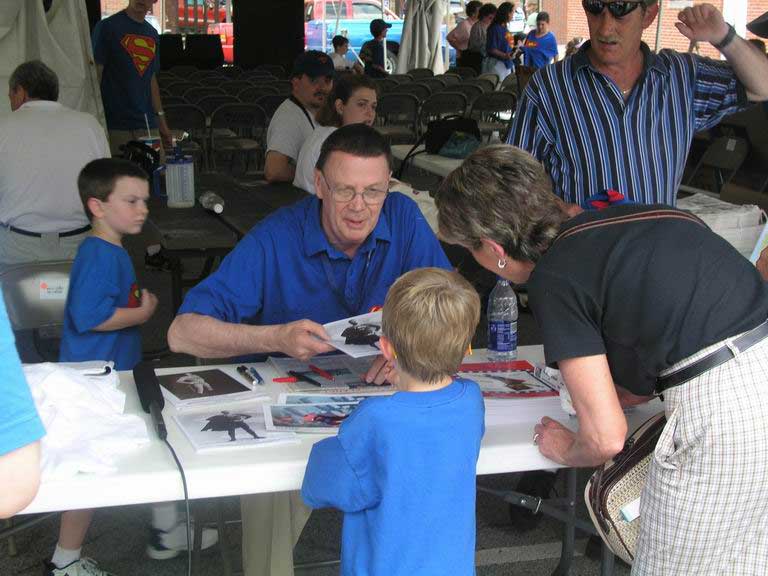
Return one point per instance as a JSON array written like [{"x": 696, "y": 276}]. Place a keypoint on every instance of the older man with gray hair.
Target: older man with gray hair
[{"x": 43, "y": 146}]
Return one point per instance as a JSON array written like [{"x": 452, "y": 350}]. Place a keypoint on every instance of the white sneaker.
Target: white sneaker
[
  {"x": 82, "y": 567},
  {"x": 166, "y": 544}
]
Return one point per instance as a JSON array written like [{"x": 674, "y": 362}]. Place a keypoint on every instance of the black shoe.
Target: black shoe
[{"x": 539, "y": 484}]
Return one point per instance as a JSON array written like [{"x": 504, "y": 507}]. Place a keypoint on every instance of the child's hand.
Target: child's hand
[{"x": 148, "y": 304}]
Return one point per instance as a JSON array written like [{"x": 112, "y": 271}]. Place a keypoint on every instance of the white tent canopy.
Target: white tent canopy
[
  {"x": 61, "y": 39},
  {"x": 420, "y": 43}
]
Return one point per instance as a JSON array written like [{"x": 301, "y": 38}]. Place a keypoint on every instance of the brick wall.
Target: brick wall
[{"x": 574, "y": 22}]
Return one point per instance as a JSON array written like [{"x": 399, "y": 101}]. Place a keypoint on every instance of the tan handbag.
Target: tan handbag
[{"x": 618, "y": 483}]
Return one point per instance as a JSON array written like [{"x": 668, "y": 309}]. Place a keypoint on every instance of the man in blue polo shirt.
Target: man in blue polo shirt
[
  {"x": 322, "y": 259},
  {"x": 617, "y": 116}
]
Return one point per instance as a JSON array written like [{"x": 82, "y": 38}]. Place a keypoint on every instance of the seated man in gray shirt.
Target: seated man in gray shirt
[{"x": 294, "y": 120}]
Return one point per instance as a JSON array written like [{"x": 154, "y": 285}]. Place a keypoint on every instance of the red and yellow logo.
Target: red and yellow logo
[
  {"x": 141, "y": 49},
  {"x": 134, "y": 297}
]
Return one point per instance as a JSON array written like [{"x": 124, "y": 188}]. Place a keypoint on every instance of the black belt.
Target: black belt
[
  {"x": 75, "y": 232},
  {"x": 715, "y": 358}
]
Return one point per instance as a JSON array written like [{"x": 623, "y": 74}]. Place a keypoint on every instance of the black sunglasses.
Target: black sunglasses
[{"x": 618, "y": 9}]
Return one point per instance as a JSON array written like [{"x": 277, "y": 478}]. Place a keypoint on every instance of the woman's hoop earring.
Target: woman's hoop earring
[{"x": 502, "y": 263}]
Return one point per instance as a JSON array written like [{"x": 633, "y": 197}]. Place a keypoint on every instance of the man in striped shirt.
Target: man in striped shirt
[{"x": 617, "y": 116}]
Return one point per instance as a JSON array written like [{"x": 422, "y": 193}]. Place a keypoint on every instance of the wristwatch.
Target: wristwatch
[{"x": 728, "y": 38}]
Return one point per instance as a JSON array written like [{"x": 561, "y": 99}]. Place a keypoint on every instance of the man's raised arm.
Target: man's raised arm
[{"x": 705, "y": 23}]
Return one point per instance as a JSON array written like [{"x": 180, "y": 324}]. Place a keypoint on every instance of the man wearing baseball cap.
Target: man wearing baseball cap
[
  {"x": 372, "y": 52},
  {"x": 294, "y": 120}
]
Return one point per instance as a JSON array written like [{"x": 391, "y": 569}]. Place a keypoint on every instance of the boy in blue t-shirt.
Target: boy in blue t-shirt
[
  {"x": 540, "y": 46},
  {"x": 402, "y": 468},
  {"x": 104, "y": 311}
]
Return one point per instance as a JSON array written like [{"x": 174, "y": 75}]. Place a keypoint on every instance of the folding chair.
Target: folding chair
[
  {"x": 436, "y": 84},
  {"x": 211, "y": 103},
  {"x": 35, "y": 297},
  {"x": 270, "y": 103},
  {"x": 724, "y": 156},
  {"x": 418, "y": 73},
  {"x": 421, "y": 91},
  {"x": 488, "y": 109},
  {"x": 234, "y": 87},
  {"x": 449, "y": 79},
  {"x": 179, "y": 88},
  {"x": 249, "y": 124},
  {"x": 386, "y": 85},
  {"x": 191, "y": 119},
  {"x": 283, "y": 86},
  {"x": 463, "y": 71},
  {"x": 440, "y": 105},
  {"x": 194, "y": 95},
  {"x": 275, "y": 69},
  {"x": 401, "y": 78},
  {"x": 397, "y": 116},
  {"x": 491, "y": 77},
  {"x": 251, "y": 94},
  {"x": 471, "y": 91},
  {"x": 485, "y": 83}
]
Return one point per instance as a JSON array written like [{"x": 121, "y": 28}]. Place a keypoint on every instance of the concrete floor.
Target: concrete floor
[{"x": 118, "y": 536}]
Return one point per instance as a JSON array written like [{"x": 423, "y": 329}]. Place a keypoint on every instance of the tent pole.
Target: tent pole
[
  {"x": 446, "y": 19},
  {"x": 658, "y": 25},
  {"x": 386, "y": 61}
]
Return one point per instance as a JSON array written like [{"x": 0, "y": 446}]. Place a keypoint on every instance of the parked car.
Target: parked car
[
  {"x": 226, "y": 33},
  {"x": 354, "y": 22},
  {"x": 187, "y": 9}
]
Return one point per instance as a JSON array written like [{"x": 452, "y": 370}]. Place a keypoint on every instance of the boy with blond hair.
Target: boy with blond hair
[{"x": 402, "y": 468}]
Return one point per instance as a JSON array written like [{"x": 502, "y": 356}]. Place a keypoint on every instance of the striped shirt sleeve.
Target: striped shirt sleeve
[
  {"x": 717, "y": 92},
  {"x": 527, "y": 130}
]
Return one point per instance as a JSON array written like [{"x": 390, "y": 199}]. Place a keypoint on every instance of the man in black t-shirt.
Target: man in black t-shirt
[{"x": 631, "y": 301}]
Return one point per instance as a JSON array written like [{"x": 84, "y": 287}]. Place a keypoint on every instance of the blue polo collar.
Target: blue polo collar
[
  {"x": 315, "y": 240},
  {"x": 650, "y": 60}
]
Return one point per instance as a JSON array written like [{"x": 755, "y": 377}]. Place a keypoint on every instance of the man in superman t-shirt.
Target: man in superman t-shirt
[{"x": 126, "y": 50}]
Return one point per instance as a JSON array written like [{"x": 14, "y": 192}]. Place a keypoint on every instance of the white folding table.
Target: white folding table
[{"x": 150, "y": 474}]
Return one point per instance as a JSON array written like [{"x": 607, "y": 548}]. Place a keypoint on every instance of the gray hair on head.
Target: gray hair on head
[
  {"x": 37, "y": 79},
  {"x": 500, "y": 193}
]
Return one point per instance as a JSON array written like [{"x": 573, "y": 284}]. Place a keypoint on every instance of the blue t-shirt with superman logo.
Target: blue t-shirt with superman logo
[
  {"x": 101, "y": 281},
  {"x": 129, "y": 52},
  {"x": 539, "y": 51}
]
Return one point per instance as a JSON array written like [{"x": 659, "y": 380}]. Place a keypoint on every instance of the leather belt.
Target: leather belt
[
  {"x": 713, "y": 359},
  {"x": 75, "y": 232}
]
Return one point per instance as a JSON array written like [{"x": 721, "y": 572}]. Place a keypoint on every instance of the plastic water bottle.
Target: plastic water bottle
[
  {"x": 502, "y": 323},
  {"x": 180, "y": 182},
  {"x": 212, "y": 201}
]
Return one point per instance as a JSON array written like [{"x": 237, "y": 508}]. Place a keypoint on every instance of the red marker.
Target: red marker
[
  {"x": 285, "y": 379},
  {"x": 319, "y": 371}
]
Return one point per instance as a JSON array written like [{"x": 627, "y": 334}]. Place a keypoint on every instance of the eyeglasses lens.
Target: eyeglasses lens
[{"x": 617, "y": 9}]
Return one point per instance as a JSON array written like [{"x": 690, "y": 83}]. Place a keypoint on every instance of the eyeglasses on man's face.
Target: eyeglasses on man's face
[
  {"x": 618, "y": 9},
  {"x": 373, "y": 195}
]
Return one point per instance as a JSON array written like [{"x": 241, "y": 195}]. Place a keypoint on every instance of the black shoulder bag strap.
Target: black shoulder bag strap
[
  {"x": 411, "y": 153},
  {"x": 295, "y": 100},
  {"x": 640, "y": 217}
]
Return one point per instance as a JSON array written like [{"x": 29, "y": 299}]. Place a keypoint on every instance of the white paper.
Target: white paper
[
  {"x": 357, "y": 336},
  {"x": 226, "y": 427}
]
